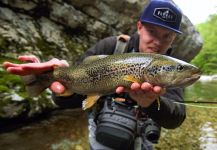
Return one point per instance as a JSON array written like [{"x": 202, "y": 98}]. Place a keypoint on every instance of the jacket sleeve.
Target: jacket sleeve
[
  {"x": 170, "y": 115},
  {"x": 103, "y": 47}
]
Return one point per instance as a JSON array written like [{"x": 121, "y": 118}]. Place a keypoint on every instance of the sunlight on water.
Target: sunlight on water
[
  {"x": 206, "y": 91},
  {"x": 208, "y": 140}
]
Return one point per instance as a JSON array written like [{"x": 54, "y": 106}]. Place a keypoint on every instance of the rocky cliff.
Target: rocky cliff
[{"x": 65, "y": 29}]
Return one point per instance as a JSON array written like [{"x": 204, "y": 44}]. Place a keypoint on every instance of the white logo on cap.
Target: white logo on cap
[{"x": 165, "y": 14}]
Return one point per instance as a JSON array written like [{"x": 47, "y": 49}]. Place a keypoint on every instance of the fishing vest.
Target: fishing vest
[
  {"x": 139, "y": 143},
  {"x": 122, "y": 44}
]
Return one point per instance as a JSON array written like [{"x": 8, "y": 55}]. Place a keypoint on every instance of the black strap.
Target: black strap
[{"x": 122, "y": 44}]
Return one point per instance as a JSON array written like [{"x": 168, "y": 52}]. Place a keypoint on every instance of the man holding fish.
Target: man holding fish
[{"x": 157, "y": 28}]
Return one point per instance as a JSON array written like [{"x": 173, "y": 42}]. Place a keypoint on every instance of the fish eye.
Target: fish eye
[{"x": 180, "y": 68}]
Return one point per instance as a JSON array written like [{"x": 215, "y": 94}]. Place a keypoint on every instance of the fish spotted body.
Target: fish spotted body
[{"x": 102, "y": 74}]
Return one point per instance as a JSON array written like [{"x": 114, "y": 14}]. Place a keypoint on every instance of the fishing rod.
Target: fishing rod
[
  {"x": 200, "y": 102},
  {"x": 195, "y": 104}
]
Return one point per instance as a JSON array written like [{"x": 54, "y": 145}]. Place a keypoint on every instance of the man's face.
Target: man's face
[{"x": 154, "y": 39}]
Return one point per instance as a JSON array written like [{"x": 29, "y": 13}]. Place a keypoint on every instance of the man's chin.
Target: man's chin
[{"x": 153, "y": 50}]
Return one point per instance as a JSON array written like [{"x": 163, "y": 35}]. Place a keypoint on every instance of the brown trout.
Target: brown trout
[{"x": 102, "y": 74}]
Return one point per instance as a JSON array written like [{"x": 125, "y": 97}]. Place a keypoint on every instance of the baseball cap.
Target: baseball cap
[{"x": 163, "y": 13}]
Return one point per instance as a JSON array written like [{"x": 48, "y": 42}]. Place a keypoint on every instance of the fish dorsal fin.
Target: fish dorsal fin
[
  {"x": 91, "y": 59},
  {"x": 90, "y": 101}
]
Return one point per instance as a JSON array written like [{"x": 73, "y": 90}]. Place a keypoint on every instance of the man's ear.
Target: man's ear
[{"x": 139, "y": 26}]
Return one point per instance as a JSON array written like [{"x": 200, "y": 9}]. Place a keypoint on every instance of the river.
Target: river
[
  {"x": 199, "y": 130},
  {"x": 67, "y": 129}
]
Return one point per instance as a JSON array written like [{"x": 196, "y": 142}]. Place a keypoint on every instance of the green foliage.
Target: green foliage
[
  {"x": 207, "y": 60},
  {"x": 7, "y": 81},
  {"x": 14, "y": 99}
]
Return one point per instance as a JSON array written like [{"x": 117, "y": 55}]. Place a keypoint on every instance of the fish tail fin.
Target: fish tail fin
[{"x": 34, "y": 85}]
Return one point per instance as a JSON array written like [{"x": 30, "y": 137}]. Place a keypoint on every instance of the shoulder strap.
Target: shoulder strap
[{"x": 122, "y": 43}]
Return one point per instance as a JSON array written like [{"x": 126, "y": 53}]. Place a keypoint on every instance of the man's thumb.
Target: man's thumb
[{"x": 57, "y": 87}]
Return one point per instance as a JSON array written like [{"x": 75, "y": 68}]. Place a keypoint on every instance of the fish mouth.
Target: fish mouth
[
  {"x": 192, "y": 79},
  {"x": 196, "y": 75}
]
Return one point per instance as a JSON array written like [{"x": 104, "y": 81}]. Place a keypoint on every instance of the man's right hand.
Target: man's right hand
[{"x": 34, "y": 66}]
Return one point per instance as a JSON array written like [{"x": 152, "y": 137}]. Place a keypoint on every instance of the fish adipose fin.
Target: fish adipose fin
[
  {"x": 131, "y": 78},
  {"x": 90, "y": 101},
  {"x": 119, "y": 99}
]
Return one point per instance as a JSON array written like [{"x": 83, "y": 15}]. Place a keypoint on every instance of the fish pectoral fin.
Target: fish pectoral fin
[
  {"x": 131, "y": 78},
  {"x": 119, "y": 99},
  {"x": 90, "y": 101},
  {"x": 158, "y": 103}
]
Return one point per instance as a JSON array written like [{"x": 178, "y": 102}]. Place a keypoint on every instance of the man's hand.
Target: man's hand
[
  {"x": 35, "y": 67},
  {"x": 144, "y": 94}
]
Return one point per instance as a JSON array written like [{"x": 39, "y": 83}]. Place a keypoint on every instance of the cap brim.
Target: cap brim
[{"x": 158, "y": 24}]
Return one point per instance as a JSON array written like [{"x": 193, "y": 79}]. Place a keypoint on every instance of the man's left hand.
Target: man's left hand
[{"x": 144, "y": 94}]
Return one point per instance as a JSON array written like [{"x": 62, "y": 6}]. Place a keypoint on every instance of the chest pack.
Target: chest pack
[{"x": 118, "y": 125}]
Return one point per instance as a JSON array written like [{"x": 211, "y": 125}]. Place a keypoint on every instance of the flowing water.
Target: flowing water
[
  {"x": 199, "y": 130},
  {"x": 67, "y": 129}
]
